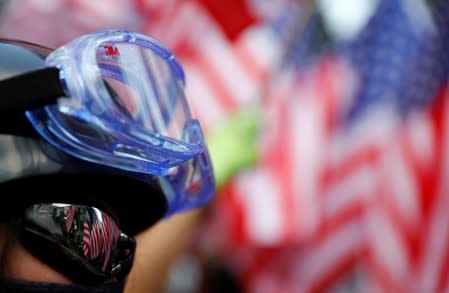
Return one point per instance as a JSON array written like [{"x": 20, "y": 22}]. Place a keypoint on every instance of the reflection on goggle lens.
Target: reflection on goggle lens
[{"x": 82, "y": 242}]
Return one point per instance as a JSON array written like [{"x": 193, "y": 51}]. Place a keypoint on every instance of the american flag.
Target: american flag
[
  {"x": 100, "y": 238},
  {"x": 70, "y": 215},
  {"x": 351, "y": 193},
  {"x": 55, "y": 22}
]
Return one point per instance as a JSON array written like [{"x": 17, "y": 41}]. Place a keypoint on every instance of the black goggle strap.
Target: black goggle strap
[{"x": 30, "y": 90}]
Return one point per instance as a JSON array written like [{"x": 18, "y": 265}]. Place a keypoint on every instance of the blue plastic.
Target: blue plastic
[{"x": 125, "y": 108}]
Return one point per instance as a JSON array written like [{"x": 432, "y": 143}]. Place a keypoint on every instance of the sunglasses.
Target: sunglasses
[{"x": 81, "y": 242}]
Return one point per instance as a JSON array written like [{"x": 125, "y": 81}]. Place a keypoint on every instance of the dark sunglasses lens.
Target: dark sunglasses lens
[{"x": 89, "y": 240}]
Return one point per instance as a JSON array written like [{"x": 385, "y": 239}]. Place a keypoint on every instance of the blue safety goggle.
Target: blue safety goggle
[{"x": 116, "y": 98}]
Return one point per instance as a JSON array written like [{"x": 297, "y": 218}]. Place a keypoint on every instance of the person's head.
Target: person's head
[{"x": 97, "y": 143}]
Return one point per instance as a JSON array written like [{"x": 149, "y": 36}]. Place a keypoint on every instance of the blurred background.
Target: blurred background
[{"x": 327, "y": 120}]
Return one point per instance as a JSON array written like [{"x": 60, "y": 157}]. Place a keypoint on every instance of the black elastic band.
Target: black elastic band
[{"x": 30, "y": 90}]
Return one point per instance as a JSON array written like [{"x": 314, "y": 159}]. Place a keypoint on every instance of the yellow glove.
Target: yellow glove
[{"x": 233, "y": 145}]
